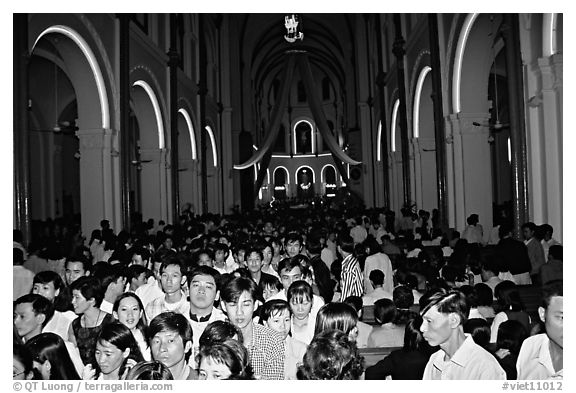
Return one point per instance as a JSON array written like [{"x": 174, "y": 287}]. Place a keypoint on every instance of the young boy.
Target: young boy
[{"x": 276, "y": 315}]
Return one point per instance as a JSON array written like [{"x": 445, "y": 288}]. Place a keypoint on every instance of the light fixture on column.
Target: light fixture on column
[{"x": 293, "y": 26}]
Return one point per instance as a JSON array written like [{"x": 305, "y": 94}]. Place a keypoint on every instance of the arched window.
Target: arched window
[
  {"x": 281, "y": 180},
  {"x": 303, "y": 136}
]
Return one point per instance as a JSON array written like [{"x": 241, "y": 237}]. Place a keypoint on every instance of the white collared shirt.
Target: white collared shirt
[
  {"x": 534, "y": 360},
  {"x": 470, "y": 361}
]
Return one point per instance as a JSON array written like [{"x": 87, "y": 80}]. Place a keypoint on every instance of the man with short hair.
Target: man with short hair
[
  {"x": 171, "y": 344},
  {"x": 291, "y": 271},
  {"x": 205, "y": 258},
  {"x": 553, "y": 270},
  {"x": 547, "y": 240},
  {"x": 153, "y": 287},
  {"x": 265, "y": 346},
  {"x": 535, "y": 250},
  {"x": 171, "y": 277},
  {"x": 376, "y": 259},
  {"x": 514, "y": 255},
  {"x": 31, "y": 313},
  {"x": 459, "y": 357},
  {"x": 49, "y": 284},
  {"x": 140, "y": 256},
  {"x": 351, "y": 276},
  {"x": 541, "y": 356},
  {"x": 203, "y": 292},
  {"x": 136, "y": 276},
  {"x": 76, "y": 268},
  {"x": 254, "y": 258},
  {"x": 113, "y": 279},
  {"x": 293, "y": 244},
  {"x": 489, "y": 272},
  {"x": 358, "y": 233},
  {"x": 377, "y": 281},
  {"x": 22, "y": 277}
]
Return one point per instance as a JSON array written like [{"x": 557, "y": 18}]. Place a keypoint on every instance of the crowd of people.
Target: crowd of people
[{"x": 284, "y": 293}]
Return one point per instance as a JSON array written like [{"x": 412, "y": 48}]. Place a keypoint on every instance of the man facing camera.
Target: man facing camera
[{"x": 541, "y": 356}]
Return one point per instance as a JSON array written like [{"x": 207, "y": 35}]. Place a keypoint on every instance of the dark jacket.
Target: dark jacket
[
  {"x": 514, "y": 256},
  {"x": 400, "y": 364}
]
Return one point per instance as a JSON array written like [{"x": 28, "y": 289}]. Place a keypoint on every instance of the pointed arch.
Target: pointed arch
[
  {"x": 457, "y": 70},
  {"x": 157, "y": 112},
  {"x": 91, "y": 58},
  {"x": 190, "y": 126},
  {"x": 213, "y": 144},
  {"x": 416, "y": 107}
]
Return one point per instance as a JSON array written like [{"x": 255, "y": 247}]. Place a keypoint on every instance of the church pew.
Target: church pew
[
  {"x": 374, "y": 355},
  {"x": 368, "y": 313}
]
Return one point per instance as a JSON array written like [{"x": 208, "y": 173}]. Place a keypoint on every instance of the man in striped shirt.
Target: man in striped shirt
[{"x": 351, "y": 281}]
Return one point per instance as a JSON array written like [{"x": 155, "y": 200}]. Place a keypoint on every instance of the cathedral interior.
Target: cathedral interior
[{"x": 124, "y": 114}]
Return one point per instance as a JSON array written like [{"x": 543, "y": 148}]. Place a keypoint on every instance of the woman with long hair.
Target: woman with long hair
[
  {"x": 51, "y": 357},
  {"x": 224, "y": 360},
  {"x": 116, "y": 352},
  {"x": 511, "y": 335},
  {"x": 129, "y": 311},
  {"x": 408, "y": 362},
  {"x": 339, "y": 316},
  {"x": 22, "y": 364},
  {"x": 301, "y": 299},
  {"x": 509, "y": 307}
]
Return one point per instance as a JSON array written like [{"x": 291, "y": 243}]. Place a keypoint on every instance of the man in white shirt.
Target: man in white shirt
[
  {"x": 49, "y": 284},
  {"x": 541, "y": 356},
  {"x": 174, "y": 299},
  {"x": 376, "y": 259},
  {"x": 153, "y": 288},
  {"x": 489, "y": 273},
  {"x": 459, "y": 357},
  {"x": 203, "y": 292},
  {"x": 22, "y": 278},
  {"x": 113, "y": 279},
  {"x": 547, "y": 239},
  {"x": 377, "y": 281},
  {"x": 358, "y": 233}
]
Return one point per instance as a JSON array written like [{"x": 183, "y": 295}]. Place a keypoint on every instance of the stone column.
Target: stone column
[
  {"x": 20, "y": 59},
  {"x": 472, "y": 170},
  {"x": 552, "y": 87},
  {"x": 96, "y": 182},
  {"x": 510, "y": 33},
  {"x": 399, "y": 52}
]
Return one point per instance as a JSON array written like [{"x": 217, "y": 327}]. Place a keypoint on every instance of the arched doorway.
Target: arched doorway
[
  {"x": 329, "y": 180},
  {"x": 305, "y": 180},
  {"x": 151, "y": 158},
  {"x": 424, "y": 143},
  {"x": 187, "y": 160},
  {"x": 54, "y": 147},
  {"x": 281, "y": 182}
]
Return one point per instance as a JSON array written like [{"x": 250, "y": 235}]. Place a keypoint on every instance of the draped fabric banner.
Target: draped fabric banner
[
  {"x": 262, "y": 172},
  {"x": 340, "y": 168},
  {"x": 277, "y": 113},
  {"x": 318, "y": 113}
]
